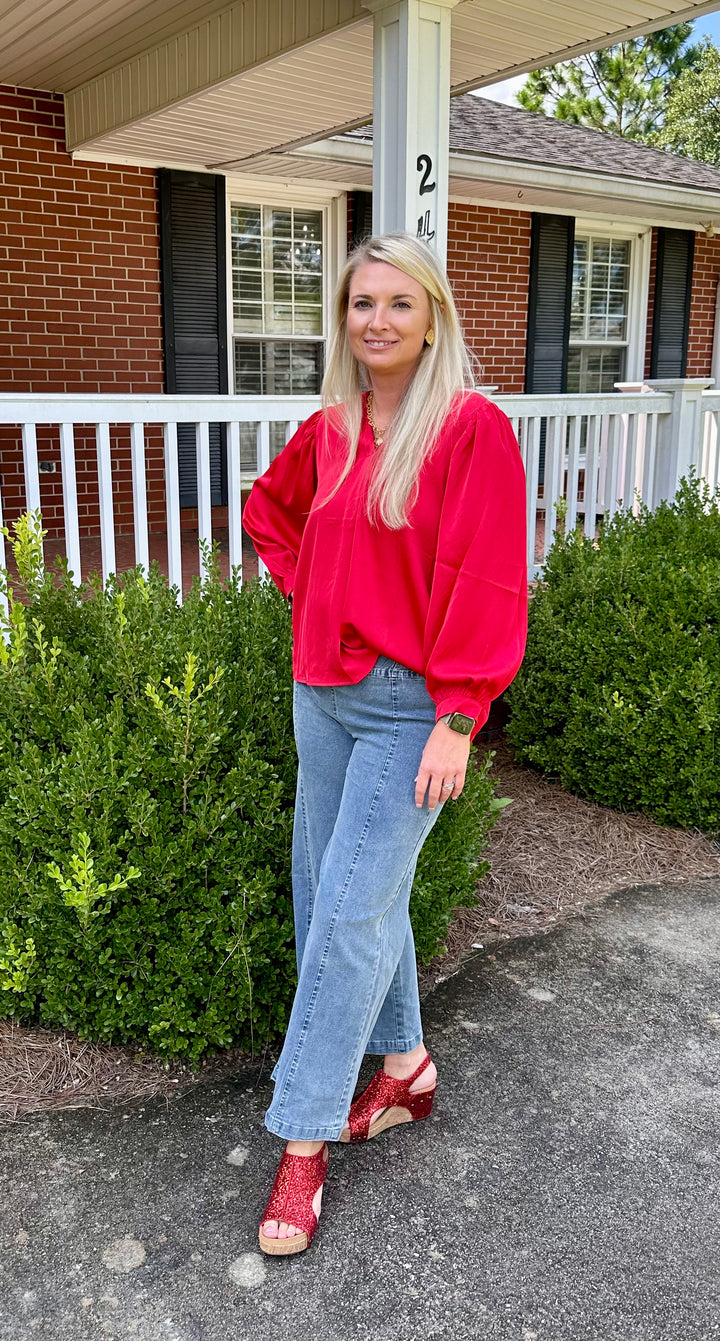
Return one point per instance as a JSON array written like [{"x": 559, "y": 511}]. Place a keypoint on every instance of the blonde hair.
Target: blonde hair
[{"x": 444, "y": 368}]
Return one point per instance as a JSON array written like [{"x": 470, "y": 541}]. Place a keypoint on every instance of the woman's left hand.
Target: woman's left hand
[{"x": 444, "y": 761}]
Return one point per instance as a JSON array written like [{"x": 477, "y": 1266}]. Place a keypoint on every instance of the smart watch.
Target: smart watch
[{"x": 457, "y": 721}]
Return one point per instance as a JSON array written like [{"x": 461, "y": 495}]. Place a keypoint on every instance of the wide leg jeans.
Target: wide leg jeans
[{"x": 356, "y": 841}]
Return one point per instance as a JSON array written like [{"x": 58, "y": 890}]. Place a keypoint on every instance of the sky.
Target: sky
[{"x": 707, "y": 26}]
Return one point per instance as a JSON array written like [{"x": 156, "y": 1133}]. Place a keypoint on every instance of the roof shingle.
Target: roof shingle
[{"x": 493, "y": 130}]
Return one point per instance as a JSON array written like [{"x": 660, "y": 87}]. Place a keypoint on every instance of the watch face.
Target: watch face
[{"x": 459, "y": 722}]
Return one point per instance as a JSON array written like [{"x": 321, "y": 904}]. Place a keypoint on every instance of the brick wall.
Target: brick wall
[
  {"x": 79, "y": 243},
  {"x": 706, "y": 273},
  {"x": 489, "y": 269}
]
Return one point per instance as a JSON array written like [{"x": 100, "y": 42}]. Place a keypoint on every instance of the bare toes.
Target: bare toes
[{"x": 270, "y": 1229}]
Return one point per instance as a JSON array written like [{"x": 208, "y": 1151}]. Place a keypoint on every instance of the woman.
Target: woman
[{"x": 395, "y": 519}]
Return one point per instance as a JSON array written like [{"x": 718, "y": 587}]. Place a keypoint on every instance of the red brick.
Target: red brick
[
  {"x": 84, "y": 239},
  {"x": 488, "y": 265}
]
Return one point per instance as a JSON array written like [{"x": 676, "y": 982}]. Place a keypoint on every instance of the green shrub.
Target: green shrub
[
  {"x": 618, "y": 694},
  {"x": 147, "y": 781}
]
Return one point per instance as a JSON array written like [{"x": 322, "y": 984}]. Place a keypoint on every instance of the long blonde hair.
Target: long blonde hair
[{"x": 444, "y": 368}]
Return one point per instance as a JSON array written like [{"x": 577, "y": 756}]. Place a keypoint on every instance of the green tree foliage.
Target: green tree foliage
[
  {"x": 622, "y": 90},
  {"x": 147, "y": 785},
  {"x": 619, "y": 693},
  {"x": 692, "y": 119}
]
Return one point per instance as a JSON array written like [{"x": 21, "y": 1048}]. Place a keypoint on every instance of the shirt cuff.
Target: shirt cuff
[{"x": 478, "y": 709}]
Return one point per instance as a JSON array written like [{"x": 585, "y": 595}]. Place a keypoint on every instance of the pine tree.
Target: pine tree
[{"x": 622, "y": 90}]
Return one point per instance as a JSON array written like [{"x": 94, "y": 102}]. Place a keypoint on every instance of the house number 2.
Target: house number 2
[{"x": 425, "y": 167}]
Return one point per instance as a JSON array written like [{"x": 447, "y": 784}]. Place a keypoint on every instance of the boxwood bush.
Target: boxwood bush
[
  {"x": 618, "y": 696},
  {"x": 147, "y": 779}
]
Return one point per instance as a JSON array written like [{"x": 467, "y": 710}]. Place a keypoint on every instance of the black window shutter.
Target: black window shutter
[
  {"x": 671, "y": 313},
  {"x": 360, "y": 203},
  {"x": 193, "y": 275},
  {"x": 552, "y": 240}
]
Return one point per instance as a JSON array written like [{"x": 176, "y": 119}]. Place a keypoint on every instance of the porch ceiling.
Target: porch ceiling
[{"x": 200, "y": 82}]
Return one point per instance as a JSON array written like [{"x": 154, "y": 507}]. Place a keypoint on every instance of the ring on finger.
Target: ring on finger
[{"x": 449, "y": 786}]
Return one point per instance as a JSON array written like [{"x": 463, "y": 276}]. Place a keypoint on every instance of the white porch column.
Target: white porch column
[{"x": 411, "y": 117}]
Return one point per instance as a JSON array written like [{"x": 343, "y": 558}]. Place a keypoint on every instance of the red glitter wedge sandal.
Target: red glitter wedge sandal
[
  {"x": 298, "y": 1180},
  {"x": 395, "y": 1097}
]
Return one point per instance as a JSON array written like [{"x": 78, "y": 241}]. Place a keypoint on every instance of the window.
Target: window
[
  {"x": 277, "y": 275},
  {"x": 599, "y": 314},
  {"x": 278, "y": 308}
]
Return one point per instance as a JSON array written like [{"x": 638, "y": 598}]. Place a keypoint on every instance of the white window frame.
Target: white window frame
[
  {"x": 640, "y": 248},
  {"x": 276, "y": 195}
]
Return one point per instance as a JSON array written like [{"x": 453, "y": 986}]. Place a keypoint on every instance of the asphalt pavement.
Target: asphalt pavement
[{"x": 566, "y": 1187}]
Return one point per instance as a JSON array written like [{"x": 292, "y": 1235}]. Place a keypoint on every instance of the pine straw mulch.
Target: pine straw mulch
[
  {"x": 552, "y": 856},
  {"x": 46, "y": 1069}
]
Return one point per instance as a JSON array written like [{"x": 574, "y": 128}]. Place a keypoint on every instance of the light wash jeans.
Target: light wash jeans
[{"x": 356, "y": 840}]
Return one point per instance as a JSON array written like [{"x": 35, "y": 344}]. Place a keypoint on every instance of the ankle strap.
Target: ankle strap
[{"x": 422, "y": 1067}]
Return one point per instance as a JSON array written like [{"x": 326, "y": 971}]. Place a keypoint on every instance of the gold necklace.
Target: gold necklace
[{"x": 378, "y": 434}]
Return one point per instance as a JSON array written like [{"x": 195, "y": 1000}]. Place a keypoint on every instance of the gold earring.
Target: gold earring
[{"x": 430, "y": 337}]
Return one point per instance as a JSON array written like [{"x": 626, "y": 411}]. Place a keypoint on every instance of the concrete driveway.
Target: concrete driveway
[{"x": 566, "y": 1188}]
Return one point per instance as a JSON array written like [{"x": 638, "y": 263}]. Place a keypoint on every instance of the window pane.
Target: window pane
[
  {"x": 277, "y": 369},
  {"x": 248, "y": 370},
  {"x": 278, "y": 318},
  {"x": 246, "y": 252},
  {"x": 307, "y": 362},
  {"x": 247, "y": 317},
  {"x": 308, "y": 288},
  {"x": 279, "y": 287},
  {"x": 245, "y": 219},
  {"x": 308, "y": 223},
  {"x": 308, "y": 320},
  {"x": 279, "y": 223},
  {"x": 573, "y": 372},
  {"x": 578, "y": 303},
  {"x": 247, "y": 285},
  {"x": 282, "y": 257}
]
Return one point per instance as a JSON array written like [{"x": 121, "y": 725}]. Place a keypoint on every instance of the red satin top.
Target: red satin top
[{"x": 445, "y": 596}]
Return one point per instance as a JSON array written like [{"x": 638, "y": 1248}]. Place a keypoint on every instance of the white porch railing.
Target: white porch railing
[{"x": 598, "y": 453}]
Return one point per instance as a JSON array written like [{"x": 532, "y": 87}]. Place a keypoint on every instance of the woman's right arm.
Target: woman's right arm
[{"x": 277, "y": 509}]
